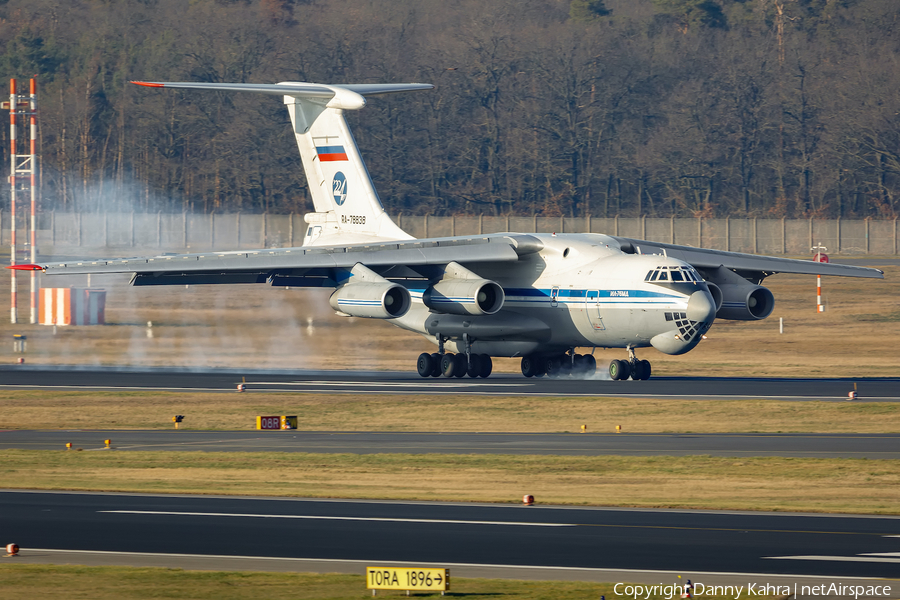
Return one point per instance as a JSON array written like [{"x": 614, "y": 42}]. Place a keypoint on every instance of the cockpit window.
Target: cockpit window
[{"x": 687, "y": 273}]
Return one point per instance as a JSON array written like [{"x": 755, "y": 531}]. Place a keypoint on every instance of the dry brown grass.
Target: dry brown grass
[
  {"x": 792, "y": 484},
  {"x": 256, "y": 326},
  {"x": 345, "y": 412},
  {"x": 126, "y": 583}
]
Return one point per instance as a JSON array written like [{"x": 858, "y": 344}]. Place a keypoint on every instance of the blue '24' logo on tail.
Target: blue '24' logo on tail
[{"x": 339, "y": 188}]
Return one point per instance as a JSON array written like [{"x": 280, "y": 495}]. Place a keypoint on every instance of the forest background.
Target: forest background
[{"x": 701, "y": 108}]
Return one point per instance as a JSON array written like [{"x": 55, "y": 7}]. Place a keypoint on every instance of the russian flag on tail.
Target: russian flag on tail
[{"x": 331, "y": 153}]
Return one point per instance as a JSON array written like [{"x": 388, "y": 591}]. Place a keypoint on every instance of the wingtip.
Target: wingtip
[
  {"x": 148, "y": 84},
  {"x": 26, "y": 267}
]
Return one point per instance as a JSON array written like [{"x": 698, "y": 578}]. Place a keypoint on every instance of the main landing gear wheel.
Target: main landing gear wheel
[
  {"x": 531, "y": 365},
  {"x": 481, "y": 366},
  {"x": 584, "y": 365},
  {"x": 487, "y": 366},
  {"x": 448, "y": 365},
  {"x": 619, "y": 369},
  {"x": 474, "y": 366},
  {"x": 462, "y": 365},
  {"x": 436, "y": 364},
  {"x": 425, "y": 365}
]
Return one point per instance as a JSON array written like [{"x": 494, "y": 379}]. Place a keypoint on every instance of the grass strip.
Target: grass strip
[
  {"x": 770, "y": 483},
  {"x": 130, "y": 583},
  {"x": 346, "y": 412}
]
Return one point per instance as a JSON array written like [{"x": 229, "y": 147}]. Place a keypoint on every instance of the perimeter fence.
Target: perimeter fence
[{"x": 59, "y": 233}]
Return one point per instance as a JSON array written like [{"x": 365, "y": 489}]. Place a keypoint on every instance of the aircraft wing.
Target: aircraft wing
[
  {"x": 306, "y": 266},
  {"x": 759, "y": 267}
]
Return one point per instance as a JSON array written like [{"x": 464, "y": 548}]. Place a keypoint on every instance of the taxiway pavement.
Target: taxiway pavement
[{"x": 868, "y": 446}]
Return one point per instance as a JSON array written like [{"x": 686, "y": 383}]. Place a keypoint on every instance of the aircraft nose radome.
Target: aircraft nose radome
[{"x": 701, "y": 307}]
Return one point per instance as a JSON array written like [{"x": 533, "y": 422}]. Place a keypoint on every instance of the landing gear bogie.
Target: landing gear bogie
[{"x": 454, "y": 365}]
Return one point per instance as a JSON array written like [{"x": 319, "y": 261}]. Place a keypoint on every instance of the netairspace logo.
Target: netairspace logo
[{"x": 645, "y": 592}]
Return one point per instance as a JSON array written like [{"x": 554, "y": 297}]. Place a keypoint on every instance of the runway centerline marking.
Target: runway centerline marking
[
  {"x": 466, "y": 522},
  {"x": 332, "y": 518}
]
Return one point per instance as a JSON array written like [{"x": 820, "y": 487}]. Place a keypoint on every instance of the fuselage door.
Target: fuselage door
[
  {"x": 554, "y": 296},
  {"x": 592, "y": 308},
  {"x": 312, "y": 233}
]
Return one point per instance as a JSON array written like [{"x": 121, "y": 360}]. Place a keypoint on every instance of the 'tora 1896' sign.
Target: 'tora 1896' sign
[{"x": 391, "y": 578}]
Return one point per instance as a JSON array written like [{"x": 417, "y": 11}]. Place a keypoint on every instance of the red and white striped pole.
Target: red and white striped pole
[
  {"x": 12, "y": 197},
  {"x": 819, "y": 307},
  {"x": 33, "y": 110},
  {"x": 820, "y": 257}
]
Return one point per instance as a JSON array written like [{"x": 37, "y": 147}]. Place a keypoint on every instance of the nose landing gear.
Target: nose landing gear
[{"x": 633, "y": 367}]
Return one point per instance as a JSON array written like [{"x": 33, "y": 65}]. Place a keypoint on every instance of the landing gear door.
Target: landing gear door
[{"x": 592, "y": 308}]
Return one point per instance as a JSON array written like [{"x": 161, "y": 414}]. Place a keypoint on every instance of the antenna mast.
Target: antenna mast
[{"x": 23, "y": 177}]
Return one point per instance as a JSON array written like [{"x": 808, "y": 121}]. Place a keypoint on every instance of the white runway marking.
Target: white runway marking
[
  {"x": 438, "y": 384},
  {"x": 330, "y": 518},
  {"x": 863, "y": 558}
]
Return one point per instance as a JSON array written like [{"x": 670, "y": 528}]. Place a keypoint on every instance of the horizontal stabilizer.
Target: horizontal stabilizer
[{"x": 326, "y": 94}]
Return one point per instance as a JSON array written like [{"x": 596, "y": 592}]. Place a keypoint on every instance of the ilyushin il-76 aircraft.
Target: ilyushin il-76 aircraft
[{"x": 532, "y": 296}]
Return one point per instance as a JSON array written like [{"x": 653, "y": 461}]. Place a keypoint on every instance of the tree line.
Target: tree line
[{"x": 555, "y": 107}]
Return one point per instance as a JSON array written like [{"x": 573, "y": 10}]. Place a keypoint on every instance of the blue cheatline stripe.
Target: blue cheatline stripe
[{"x": 545, "y": 293}]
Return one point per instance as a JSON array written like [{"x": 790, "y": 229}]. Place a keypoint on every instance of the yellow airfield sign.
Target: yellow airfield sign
[{"x": 392, "y": 578}]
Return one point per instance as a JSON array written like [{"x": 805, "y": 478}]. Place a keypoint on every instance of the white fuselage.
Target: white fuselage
[{"x": 580, "y": 290}]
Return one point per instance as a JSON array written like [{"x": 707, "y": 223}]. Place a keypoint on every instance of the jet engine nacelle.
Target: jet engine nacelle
[
  {"x": 465, "y": 297},
  {"x": 738, "y": 302},
  {"x": 371, "y": 299}
]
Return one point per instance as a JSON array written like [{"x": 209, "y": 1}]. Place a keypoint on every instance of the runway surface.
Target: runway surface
[
  {"x": 589, "y": 543},
  {"x": 869, "y": 446},
  {"x": 359, "y": 383}
]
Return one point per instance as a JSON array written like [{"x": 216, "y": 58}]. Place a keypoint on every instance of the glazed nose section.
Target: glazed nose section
[{"x": 701, "y": 308}]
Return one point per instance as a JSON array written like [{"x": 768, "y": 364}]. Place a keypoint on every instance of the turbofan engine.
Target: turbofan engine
[
  {"x": 375, "y": 300},
  {"x": 742, "y": 302},
  {"x": 368, "y": 294},
  {"x": 465, "y": 297},
  {"x": 461, "y": 292}
]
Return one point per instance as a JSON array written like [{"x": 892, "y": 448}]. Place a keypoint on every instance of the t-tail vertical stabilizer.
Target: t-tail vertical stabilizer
[{"x": 348, "y": 209}]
